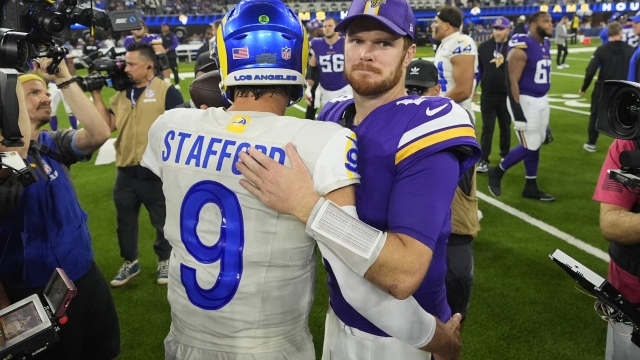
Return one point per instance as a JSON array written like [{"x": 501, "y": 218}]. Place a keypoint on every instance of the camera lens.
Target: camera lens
[
  {"x": 14, "y": 49},
  {"x": 625, "y": 112},
  {"x": 628, "y": 109},
  {"x": 51, "y": 23}
]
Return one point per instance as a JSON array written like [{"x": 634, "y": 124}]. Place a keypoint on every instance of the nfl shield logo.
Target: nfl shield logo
[{"x": 286, "y": 53}]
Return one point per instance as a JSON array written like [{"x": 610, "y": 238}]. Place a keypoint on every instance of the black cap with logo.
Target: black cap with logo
[{"x": 421, "y": 73}]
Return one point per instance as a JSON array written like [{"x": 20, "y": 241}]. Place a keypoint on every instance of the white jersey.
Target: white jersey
[
  {"x": 451, "y": 46},
  {"x": 629, "y": 36},
  {"x": 241, "y": 276}
]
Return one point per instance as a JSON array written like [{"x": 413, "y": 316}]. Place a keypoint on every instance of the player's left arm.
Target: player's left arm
[
  {"x": 463, "y": 74},
  {"x": 397, "y": 260}
]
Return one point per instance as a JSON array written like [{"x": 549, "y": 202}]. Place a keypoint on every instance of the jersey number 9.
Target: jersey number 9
[{"x": 227, "y": 250}]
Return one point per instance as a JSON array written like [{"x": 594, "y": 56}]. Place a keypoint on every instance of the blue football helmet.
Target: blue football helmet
[{"x": 261, "y": 42}]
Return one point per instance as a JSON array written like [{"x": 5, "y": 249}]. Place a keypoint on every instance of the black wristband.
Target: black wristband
[
  {"x": 312, "y": 73},
  {"x": 64, "y": 85},
  {"x": 516, "y": 109}
]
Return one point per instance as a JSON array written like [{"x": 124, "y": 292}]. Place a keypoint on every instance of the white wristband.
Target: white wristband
[{"x": 357, "y": 244}]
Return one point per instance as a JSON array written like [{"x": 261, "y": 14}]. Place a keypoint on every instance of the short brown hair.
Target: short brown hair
[{"x": 614, "y": 29}]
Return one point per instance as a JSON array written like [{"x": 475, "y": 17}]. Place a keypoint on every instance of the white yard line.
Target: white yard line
[{"x": 545, "y": 227}]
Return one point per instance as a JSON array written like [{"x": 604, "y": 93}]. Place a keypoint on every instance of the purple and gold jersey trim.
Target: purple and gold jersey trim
[
  {"x": 518, "y": 41},
  {"x": 435, "y": 138}
]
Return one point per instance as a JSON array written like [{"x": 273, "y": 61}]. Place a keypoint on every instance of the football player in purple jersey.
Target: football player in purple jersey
[
  {"x": 528, "y": 81},
  {"x": 412, "y": 152},
  {"x": 327, "y": 60},
  {"x": 142, "y": 35}
]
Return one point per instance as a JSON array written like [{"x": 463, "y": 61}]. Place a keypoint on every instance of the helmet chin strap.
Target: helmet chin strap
[{"x": 223, "y": 91}]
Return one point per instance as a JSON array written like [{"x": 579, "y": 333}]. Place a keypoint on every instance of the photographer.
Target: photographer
[
  {"x": 133, "y": 111},
  {"x": 48, "y": 228},
  {"x": 620, "y": 225}
]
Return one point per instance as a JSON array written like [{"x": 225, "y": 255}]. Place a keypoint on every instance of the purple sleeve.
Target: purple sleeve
[
  {"x": 420, "y": 204},
  {"x": 174, "y": 43},
  {"x": 478, "y": 76}
]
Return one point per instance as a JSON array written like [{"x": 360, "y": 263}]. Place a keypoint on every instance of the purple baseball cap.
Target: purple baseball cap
[
  {"x": 394, "y": 14},
  {"x": 635, "y": 19},
  {"x": 501, "y": 23}
]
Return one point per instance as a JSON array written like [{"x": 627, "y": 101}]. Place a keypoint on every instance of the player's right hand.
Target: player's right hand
[
  {"x": 454, "y": 347},
  {"x": 519, "y": 125},
  {"x": 308, "y": 97}
]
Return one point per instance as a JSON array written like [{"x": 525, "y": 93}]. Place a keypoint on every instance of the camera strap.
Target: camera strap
[{"x": 44, "y": 149}]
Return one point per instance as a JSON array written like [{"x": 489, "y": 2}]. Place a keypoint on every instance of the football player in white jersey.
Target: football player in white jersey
[
  {"x": 456, "y": 57},
  {"x": 242, "y": 276}
]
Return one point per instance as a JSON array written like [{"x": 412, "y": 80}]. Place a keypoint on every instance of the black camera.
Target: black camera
[
  {"x": 619, "y": 117},
  {"x": 98, "y": 62},
  {"x": 29, "y": 29},
  {"x": 30, "y": 326}
]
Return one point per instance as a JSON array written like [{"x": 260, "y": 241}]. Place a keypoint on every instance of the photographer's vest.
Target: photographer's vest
[
  {"x": 464, "y": 208},
  {"x": 134, "y": 122}
]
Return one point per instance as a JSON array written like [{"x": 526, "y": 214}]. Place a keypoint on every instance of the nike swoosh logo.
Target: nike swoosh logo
[{"x": 431, "y": 112}]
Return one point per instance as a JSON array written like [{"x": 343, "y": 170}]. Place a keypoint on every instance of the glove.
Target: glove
[
  {"x": 519, "y": 125},
  {"x": 308, "y": 96}
]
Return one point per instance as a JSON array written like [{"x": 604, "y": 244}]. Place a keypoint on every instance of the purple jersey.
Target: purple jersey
[
  {"x": 535, "y": 80},
  {"x": 408, "y": 178},
  {"x": 330, "y": 62},
  {"x": 150, "y": 39}
]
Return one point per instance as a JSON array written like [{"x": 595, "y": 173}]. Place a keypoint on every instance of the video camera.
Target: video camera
[
  {"x": 31, "y": 325},
  {"x": 30, "y": 29},
  {"x": 619, "y": 117},
  {"x": 611, "y": 302},
  {"x": 98, "y": 62}
]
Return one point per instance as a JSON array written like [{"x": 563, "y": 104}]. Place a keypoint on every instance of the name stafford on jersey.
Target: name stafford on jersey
[{"x": 204, "y": 151}]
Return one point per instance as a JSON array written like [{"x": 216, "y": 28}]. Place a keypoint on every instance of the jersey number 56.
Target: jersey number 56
[
  {"x": 331, "y": 63},
  {"x": 227, "y": 250}
]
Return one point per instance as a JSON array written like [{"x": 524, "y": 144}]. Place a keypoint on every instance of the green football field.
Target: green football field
[{"x": 523, "y": 305}]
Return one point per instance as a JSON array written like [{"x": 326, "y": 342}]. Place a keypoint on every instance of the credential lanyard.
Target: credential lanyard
[{"x": 133, "y": 101}]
